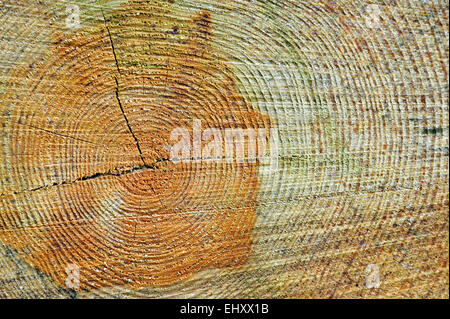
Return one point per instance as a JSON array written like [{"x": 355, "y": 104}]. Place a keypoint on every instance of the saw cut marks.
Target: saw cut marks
[{"x": 356, "y": 91}]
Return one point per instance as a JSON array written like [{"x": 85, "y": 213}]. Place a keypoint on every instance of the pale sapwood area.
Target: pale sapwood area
[{"x": 356, "y": 91}]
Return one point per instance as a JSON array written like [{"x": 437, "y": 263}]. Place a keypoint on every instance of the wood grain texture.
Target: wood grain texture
[{"x": 357, "y": 91}]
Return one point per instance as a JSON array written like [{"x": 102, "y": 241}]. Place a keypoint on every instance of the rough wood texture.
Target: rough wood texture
[{"x": 357, "y": 91}]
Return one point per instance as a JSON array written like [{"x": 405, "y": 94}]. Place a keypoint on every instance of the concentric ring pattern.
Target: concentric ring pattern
[
  {"x": 357, "y": 91},
  {"x": 92, "y": 134}
]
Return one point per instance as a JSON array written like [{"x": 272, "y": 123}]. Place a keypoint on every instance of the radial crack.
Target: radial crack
[
  {"x": 57, "y": 134},
  {"x": 140, "y": 168},
  {"x": 117, "y": 90},
  {"x": 128, "y": 123},
  {"x": 112, "y": 43}
]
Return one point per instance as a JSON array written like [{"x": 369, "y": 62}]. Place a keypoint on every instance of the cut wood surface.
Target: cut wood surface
[{"x": 353, "y": 94}]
